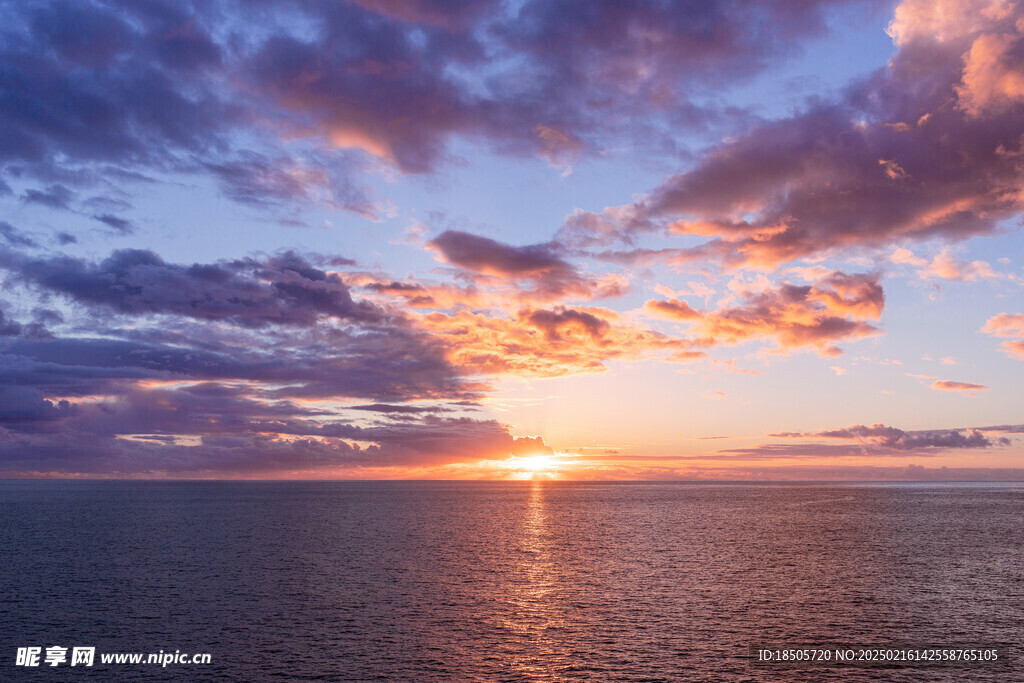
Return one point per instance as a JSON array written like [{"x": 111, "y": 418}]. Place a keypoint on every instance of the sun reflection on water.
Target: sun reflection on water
[{"x": 537, "y": 618}]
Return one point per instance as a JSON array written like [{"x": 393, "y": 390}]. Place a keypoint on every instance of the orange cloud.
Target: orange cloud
[
  {"x": 947, "y": 385},
  {"x": 547, "y": 342},
  {"x": 675, "y": 309},
  {"x": 556, "y": 146},
  {"x": 893, "y": 161},
  {"x": 993, "y": 78},
  {"x": 1008, "y": 325},
  {"x": 946, "y": 266},
  {"x": 817, "y": 316}
]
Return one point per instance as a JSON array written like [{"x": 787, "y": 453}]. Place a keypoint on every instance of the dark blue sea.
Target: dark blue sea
[{"x": 518, "y": 581}]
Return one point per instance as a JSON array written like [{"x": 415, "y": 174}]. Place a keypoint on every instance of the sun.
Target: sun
[
  {"x": 537, "y": 463},
  {"x": 536, "y": 466}
]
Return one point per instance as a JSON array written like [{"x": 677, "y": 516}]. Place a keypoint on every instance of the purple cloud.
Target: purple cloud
[
  {"x": 283, "y": 290},
  {"x": 887, "y": 438},
  {"x": 219, "y": 430},
  {"x": 156, "y": 87},
  {"x": 926, "y": 148}
]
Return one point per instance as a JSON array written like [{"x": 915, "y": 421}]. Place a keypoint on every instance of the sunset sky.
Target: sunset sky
[{"x": 741, "y": 239}]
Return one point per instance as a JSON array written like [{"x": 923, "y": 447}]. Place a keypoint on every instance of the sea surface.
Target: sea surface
[{"x": 516, "y": 581}]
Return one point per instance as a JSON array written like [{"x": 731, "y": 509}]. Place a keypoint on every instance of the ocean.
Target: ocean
[{"x": 509, "y": 581}]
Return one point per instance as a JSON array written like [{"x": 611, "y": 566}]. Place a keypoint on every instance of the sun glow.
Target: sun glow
[
  {"x": 538, "y": 463},
  {"x": 534, "y": 467}
]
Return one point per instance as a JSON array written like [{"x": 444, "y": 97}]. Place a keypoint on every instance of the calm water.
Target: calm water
[{"x": 505, "y": 581}]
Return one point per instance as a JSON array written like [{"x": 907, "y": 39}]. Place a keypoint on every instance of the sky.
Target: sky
[{"x": 532, "y": 239}]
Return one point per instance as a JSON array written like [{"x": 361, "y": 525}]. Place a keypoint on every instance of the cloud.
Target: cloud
[
  {"x": 53, "y": 197},
  {"x": 8, "y": 328},
  {"x": 877, "y": 440},
  {"x": 560, "y": 323},
  {"x": 780, "y": 452},
  {"x": 207, "y": 430},
  {"x": 391, "y": 93},
  {"x": 69, "y": 68},
  {"x": 946, "y": 266},
  {"x": 234, "y": 368},
  {"x": 134, "y": 92},
  {"x": 117, "y": 223},
  {"x": 283, "y": 290},
  {"x": 253, "y": 98},
  {"x": 910, "y": 472},
  {"x": 947, "y": 385},
  {"x": 1010, "y": 327},
  {"x": 674, "y": 309},
  {"x": 816, "y": 316},
  {"x": 993, "y": 75},
  {"x": 1004, "y": 429},
  {"x": 552, "y": 277},
  {"x": 652, "y": 56},
  {"x": 484, "y": 255},
  {"x": 927, "y": 148},
  {"x": 15, "y": 237},
  {"x": 553, "y": 342},
  {"x": 261, "y": 180},
  {"x": 197, "y": 398},
  {"x": 423, "y": 295},
  {"x": 883, "y": 436}
]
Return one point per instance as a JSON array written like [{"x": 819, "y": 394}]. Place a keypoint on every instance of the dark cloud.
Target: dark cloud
[
  {"x": 415, "y": 294},
  {"x": 911, "y": 472},
  {"x": 574, "y": 70},
  {"x": 150, "y": 87},
  {"x": 245, "y": 455},
  {"x": 366, "y": 86},
  {"x": 883, "y": 437},
  {"x": 15, "y": 237},
  {"x": 535, "y": 272},
  {"x": 118, "y": 224},
  {"x": 8, "y": 328},
  {"x": 205, "y": 398},
  {"x": 76, "y": 83},
  {"x": 53, "y": 197},
  {"x": 381, "y": 364},
  {"x": 536, "y": 263},
  {"x": 1004, "y": 429},
  {"x": 222, "y": 430},
  {"x": 454, "y": 16},
  {"x": 283, "y": 290},
  {"x": 22, "y": 408},
  {"x": 489, "y": 256},
  {"x": 555, "y": 324},
  {"x": 388, "y": 409},
  {"x": 261, "y": 180},
  {"x": 648, "y": 49},
  {"x": 96, "y": 92}
]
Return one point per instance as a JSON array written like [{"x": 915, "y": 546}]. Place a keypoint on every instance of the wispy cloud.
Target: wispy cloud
[
  {"x": 1010, "y": 327},
  {"x": 949, "y": 385}
]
